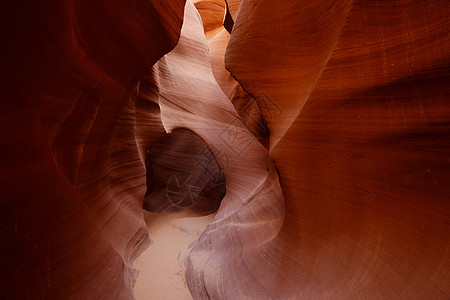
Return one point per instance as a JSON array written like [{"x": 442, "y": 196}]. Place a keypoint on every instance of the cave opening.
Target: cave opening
[
  {"x": 185, "y": 187},
  {"x": 182, "y": 173}
]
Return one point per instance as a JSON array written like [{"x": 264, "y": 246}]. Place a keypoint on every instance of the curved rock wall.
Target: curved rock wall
[
  {"x": 363, "y": 166},
  {"x": 72, "y": 179},
  {"x": 354, "y": 93},
  {"x": 244, "y": 103},
  {"x": 224, "y": 261}
]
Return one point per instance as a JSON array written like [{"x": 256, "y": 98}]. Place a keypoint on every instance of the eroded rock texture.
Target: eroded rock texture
[
  {"x": 217, "y": 37},
  {"x": 364, "y": 164},
  {"x": 252, "y": 212},
  {"x": 354, "y": 95},
  {"x": 72, "y": 179}
]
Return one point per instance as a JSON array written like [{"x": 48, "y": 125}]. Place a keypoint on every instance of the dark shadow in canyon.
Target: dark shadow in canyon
[{"x": 183, "y": 173}]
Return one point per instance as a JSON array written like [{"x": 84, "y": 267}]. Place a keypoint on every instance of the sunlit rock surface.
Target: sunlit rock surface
[
  {"x": 217, "y": 37},
  {"x": 233, "y": 6},
  {"x": 252, "y": 211},
  {"x": 348, "y": 99}
]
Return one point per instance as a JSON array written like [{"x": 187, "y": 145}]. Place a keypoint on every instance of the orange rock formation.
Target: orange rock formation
[{"x": 329, "y": 120}]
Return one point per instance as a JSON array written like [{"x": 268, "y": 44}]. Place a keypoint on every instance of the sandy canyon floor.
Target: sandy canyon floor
[{"x": 161, "y": 268}]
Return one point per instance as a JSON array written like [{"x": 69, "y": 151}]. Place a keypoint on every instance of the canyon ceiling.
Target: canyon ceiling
[{"x": 328, "y": 122}]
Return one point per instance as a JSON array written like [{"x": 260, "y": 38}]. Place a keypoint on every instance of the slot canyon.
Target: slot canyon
[{"x": 225, "y": 149}]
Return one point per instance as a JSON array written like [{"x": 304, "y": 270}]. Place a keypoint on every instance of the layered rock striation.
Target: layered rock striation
[
  {"x": 328, "y": 120},
  {"x": 72, "y": 177}
]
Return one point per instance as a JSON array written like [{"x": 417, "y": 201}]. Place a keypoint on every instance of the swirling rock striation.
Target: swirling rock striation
[
  {"x": 359, "y": 133},
  {"x": 217, "y": 36},
  {"x": 72, "y": 177},
  {"x": 224, "y": 261},
  {"x": 354, "y": 93}
]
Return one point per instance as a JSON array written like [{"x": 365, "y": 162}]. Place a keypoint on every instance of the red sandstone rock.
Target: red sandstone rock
[
  {"x": 278, "y": 53},
  {"x": 224, "y": 260},
  {"x": 355, "y": 94},
  {"x": 233, "y": 6},
  {"x": 71, "y": 175},
  {"x": 364, "y": 219},
  {"x": 212, "y": 13},
  {"x": 244, "y": 103}
]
